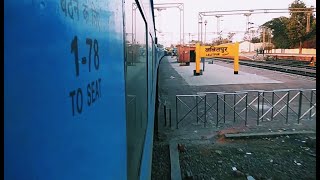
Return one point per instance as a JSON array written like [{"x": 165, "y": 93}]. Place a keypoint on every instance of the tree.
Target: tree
[
  {"x": 230, "y": 36},
  {"x": 310, "y": 38},
  {"x": 255, "y": 40},
  {"x": 291, "y": 32},
  {"x": 279, "y": 29},
  {"x": 219, "y": 41},
  {"x": 246, "y": 37},
  {"x": 194, "y": 42},
  {"x": 297, "y": 24}
]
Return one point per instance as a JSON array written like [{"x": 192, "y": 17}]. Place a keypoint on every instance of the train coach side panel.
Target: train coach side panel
[{"x": 64, "y": 90}]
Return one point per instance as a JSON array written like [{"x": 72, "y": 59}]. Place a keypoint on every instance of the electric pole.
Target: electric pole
[
  {"x": 247, "y": 22},
  {"x": 264, "y": 38},
  {"x": 308, "y": 22}
]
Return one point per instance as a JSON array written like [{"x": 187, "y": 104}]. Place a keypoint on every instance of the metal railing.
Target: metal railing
[
  {"x": 246, "y": 106},
  {"x": 179, "y": 98}
]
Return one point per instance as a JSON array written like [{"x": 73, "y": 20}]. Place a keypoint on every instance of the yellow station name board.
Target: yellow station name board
[{"x": 217, "y": 51}]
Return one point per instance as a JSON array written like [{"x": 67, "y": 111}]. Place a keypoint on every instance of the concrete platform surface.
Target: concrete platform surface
[{"x": 217, "y": 75}]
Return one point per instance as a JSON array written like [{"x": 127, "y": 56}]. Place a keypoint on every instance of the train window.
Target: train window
[{"x": 136, "y": 87}]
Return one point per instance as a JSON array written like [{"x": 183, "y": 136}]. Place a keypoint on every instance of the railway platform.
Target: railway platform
[{"x": 196, "y": 119}]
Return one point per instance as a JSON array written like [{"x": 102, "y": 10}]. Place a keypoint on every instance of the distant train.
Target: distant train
[{"x": 79, "y": 89}]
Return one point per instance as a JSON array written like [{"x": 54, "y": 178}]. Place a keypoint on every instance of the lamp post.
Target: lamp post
[
  {"x": 263, "y": 38},
  {"x": 250, "y": 34},
  {"x": 205, "y": 30}
]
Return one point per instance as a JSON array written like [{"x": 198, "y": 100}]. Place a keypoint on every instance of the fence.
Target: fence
[{"x": 249, "y": 107}]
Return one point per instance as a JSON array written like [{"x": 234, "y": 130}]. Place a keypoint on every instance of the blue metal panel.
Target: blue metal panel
[
  {"x": 60, "y": 125},
  {"x": 146, "y": 163}
]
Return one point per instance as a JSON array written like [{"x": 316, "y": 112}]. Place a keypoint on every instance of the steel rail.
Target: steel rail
[{"x": 287, "y": 69}]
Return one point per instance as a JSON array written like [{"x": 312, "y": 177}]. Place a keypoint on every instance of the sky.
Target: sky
[{"x": 167, "y": 21}]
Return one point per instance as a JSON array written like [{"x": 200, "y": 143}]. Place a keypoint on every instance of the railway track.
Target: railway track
[{"x": 287, "y": 66}]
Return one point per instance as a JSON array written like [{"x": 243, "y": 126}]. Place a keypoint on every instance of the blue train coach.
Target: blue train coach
[{"x": 79, "y": 97}]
